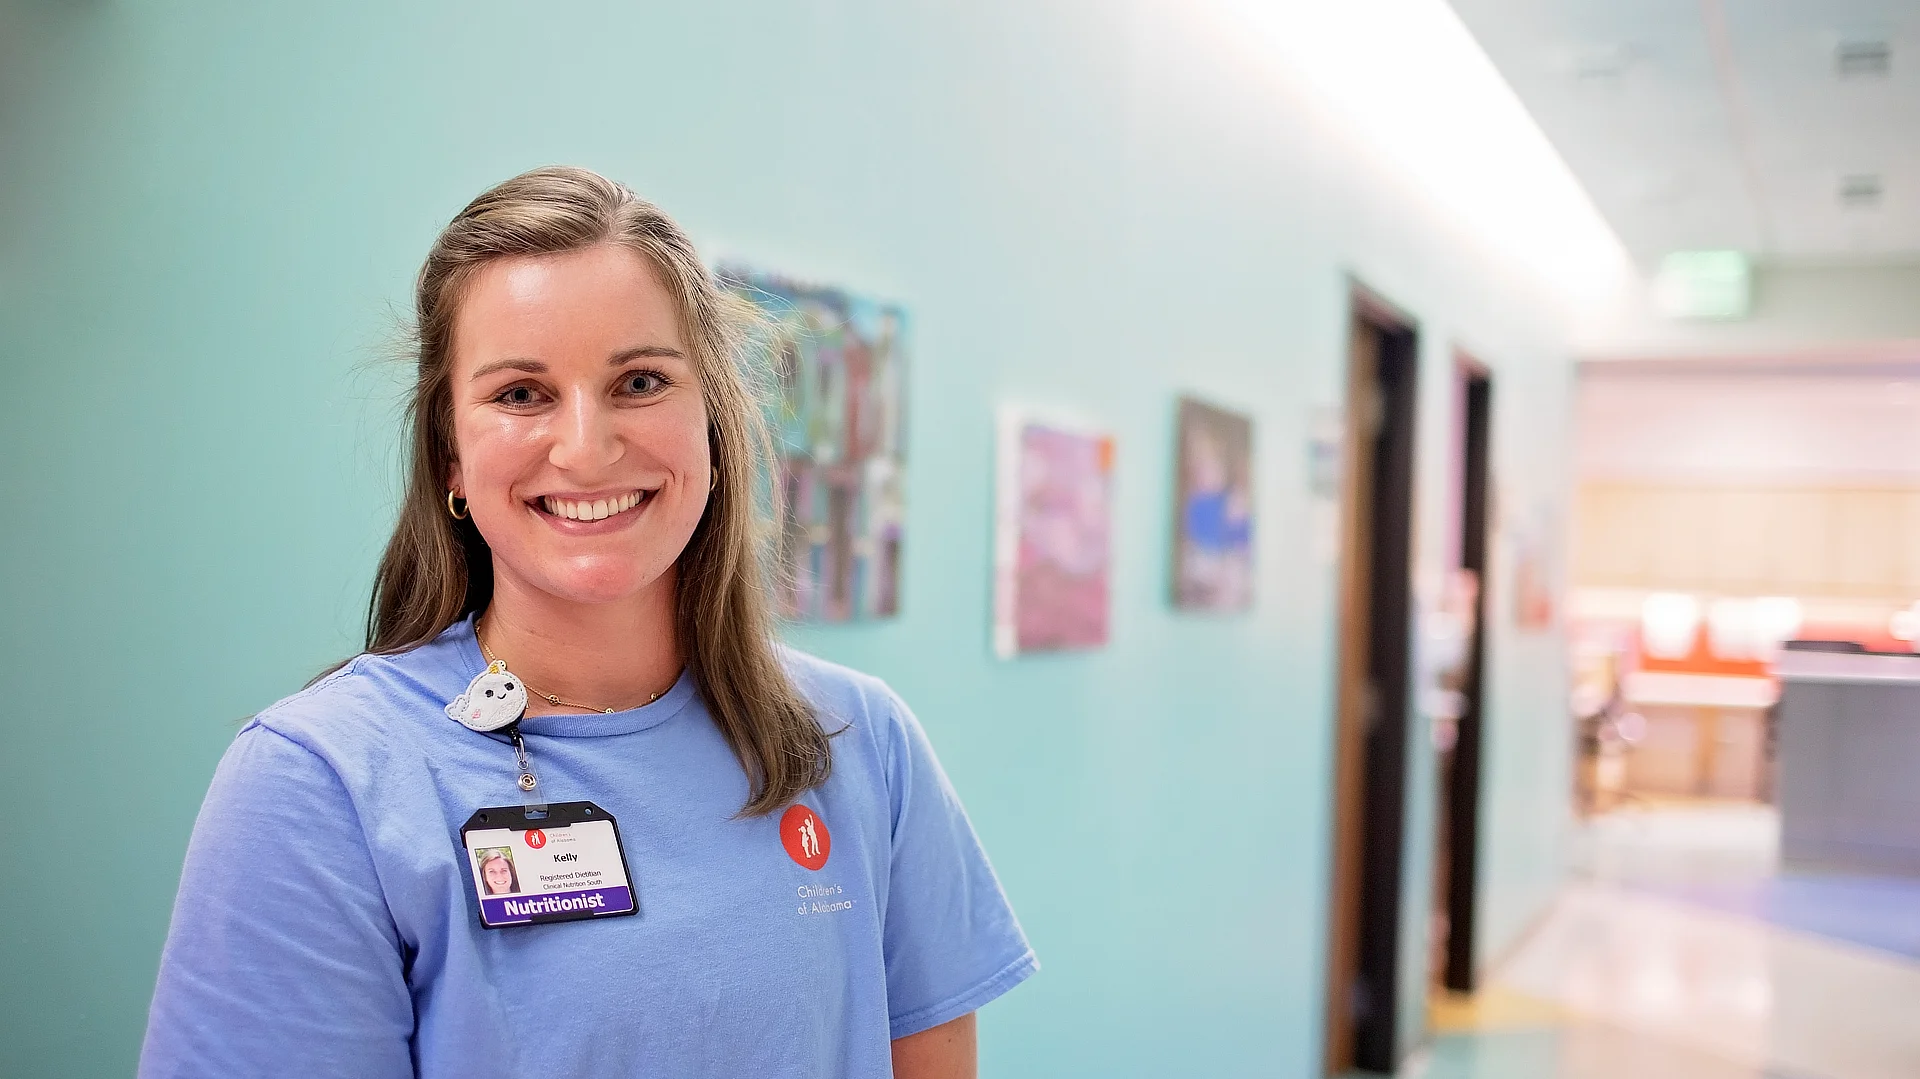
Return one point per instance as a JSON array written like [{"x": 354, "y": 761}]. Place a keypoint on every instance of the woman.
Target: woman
[
  {"x": 496, "y": 872},
  {"x": 578, "y": 535}
]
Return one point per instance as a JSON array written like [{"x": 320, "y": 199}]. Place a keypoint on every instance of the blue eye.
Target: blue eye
[
  {"x": 642, "y": 383},
  {"x": 516, "y": 395}
]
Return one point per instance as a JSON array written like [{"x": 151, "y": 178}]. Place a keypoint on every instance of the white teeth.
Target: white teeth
[{"x": 598, "y": 510}]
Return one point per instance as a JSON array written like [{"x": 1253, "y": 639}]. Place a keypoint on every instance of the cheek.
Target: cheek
[
  {"x": 493, "y": 453},
  {"x": 679, "y": 443}
]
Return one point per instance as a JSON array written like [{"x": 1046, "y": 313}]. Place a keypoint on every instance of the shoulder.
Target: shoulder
[
  {"x": 848, "y": 700},
  {"x": 831, "y": 687},
  {"x": 371, "y": 704}
]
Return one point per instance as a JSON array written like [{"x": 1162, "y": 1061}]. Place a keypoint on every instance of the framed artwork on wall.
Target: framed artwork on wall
[
  {"x": 1053, "y": 536},
  {"x": 838, "y": 421},
  {"x": 1213, "y": 509}
]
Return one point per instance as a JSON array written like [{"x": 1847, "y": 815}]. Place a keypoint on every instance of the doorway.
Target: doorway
[
  {"x": 1458, "y": 728},
  {"x": 1372, "y": 689}
]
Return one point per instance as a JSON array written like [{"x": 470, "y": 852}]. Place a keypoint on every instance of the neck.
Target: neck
[{"x": 599, "y": 656}]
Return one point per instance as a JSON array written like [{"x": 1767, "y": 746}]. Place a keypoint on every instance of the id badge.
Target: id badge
[{"x": 554, "y": 863}]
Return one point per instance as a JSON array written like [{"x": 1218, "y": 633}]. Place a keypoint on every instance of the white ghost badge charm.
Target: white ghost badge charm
[{"x": 494, "y": 699}]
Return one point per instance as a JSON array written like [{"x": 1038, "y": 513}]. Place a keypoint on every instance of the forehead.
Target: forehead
[{"x": 579, "y": 305}]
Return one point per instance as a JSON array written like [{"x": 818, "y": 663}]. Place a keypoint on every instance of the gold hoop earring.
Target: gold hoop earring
[
  {"x": 457, "y": 514},
  {"x": 713, "y": 480}
]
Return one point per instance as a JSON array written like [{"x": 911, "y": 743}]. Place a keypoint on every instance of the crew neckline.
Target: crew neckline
[{"x": 589, "y": 724}]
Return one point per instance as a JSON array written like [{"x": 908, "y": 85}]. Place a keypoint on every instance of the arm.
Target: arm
[
  {"x": 282, "y": 953},
  {"x": 943, "y": 1052},
  {"x": 952, "y": 943}
]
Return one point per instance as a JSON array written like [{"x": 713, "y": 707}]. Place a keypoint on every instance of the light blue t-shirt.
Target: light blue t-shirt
[{"x": 326, "y": 923}]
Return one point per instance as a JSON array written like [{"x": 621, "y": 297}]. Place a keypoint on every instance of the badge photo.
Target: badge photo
[{"x": 556, "y": 863}]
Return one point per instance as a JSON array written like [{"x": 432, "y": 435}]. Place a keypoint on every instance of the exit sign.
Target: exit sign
[{"x": 1704, "y": 285}]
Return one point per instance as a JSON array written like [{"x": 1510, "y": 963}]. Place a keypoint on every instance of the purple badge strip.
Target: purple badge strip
[{"x": 585, "y": 903}]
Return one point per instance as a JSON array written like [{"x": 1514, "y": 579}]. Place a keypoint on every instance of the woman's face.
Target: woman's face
[
  {"x": 499, "y": 876},
  {"x": 578, "y": 423}
]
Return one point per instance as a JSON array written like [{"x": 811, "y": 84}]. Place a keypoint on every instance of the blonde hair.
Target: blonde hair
[{"x": 437, "y": 570}]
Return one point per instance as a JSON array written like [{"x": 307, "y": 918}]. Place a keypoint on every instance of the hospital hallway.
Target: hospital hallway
[
  {"x": 1681, "y": 952},
  {"x": 1194, "y": 539}
]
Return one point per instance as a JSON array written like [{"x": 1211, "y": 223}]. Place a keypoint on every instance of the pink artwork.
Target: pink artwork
[{"x": 1054, "y": 542}]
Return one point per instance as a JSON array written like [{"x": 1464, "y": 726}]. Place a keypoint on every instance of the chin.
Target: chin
[
  {"x": 599, "y": 581},
  {"x": 598, "y": 570}
]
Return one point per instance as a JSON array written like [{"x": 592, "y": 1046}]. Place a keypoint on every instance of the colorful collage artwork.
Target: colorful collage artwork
[
  {"x": 1213, "y": 515},
  {"x": 1054, "y": 537},
  {"x": 838, "y": 422}
]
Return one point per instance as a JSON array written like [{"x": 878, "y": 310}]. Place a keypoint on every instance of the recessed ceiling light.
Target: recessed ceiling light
[
  {"x": 1863, "y": 59},
  {"x": 1860, "y": 191}
]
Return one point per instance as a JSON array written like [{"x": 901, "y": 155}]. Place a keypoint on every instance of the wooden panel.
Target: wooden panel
[
  {"x": 1909, "y": 545},
  {"x": 1739, "y": 527},
  {"x": 1667, "y": 759},
  {"x": 1603, "y": 542},
  {"x": 1674, "y": 543},
  {"x": 1797, "y": 554},
  {"x": 1845, "y": 542},
  {"x": 1737, "y": 765},
  {"x": 1861, "y": 556}
]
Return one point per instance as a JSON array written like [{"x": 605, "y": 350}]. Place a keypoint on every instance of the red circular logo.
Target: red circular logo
[
  {"x": 805, "y": 836},
  {"x": 536, "y": 838}
]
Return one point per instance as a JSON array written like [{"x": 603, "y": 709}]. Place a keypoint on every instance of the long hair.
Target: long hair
[
  {"x": 513, "y": 875},
  {"x": 437, "y": 570}
]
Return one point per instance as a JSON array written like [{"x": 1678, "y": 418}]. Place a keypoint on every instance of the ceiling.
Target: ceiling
[{"x": 1711, "y": 124}]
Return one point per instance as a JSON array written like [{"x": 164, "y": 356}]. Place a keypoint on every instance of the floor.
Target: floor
[{"x": 1682, "y": 953}]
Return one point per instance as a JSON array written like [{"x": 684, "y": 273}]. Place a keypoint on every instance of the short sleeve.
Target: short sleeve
[
  {"x": 282, "y": 954},
  {"x": 951, "y": 940}
]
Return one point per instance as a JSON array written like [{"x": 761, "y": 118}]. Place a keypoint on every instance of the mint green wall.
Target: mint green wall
[{"x": 209, "y": 214}]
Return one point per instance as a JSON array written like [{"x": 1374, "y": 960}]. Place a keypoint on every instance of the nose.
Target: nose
[{"x": 585, "y": 436}]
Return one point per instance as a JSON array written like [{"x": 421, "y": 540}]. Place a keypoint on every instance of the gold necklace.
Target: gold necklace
[{"x": 548, "y": 697}]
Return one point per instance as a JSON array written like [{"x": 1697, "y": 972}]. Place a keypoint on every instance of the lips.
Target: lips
[{"x": 595, "y": 509}]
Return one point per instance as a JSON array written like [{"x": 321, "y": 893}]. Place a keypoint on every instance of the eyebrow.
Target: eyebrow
[
  {"x": 654, "y": 352},
  {"x": 535, "y": 367}
]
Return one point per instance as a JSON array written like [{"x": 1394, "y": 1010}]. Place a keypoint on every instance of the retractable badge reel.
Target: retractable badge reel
[{"x": 535, "y": 862}]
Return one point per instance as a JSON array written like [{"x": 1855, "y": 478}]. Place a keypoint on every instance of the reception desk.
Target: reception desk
[{"x": 1848, "y": 753}]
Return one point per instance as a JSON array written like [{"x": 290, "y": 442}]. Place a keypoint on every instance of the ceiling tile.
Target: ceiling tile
[{"x": 1629, "y": 93}]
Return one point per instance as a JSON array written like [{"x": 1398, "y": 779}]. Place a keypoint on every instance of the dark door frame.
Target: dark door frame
[
  {"x": 1462, "y": 784},
  {"x": 1373, "y": 687}
]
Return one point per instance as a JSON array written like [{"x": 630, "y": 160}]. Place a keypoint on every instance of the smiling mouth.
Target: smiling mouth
[{"x": 568, "y": 509}]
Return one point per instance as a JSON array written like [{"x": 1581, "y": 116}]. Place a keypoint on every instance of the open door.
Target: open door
[
  {"x": 1457, "y": 844},
  {"x": 1372, "y": 691}
]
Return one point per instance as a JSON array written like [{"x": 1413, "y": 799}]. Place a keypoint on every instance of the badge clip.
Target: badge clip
[{"x": 496, "y": 700}]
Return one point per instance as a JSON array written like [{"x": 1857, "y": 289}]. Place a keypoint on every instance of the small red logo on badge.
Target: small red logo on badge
[
  {"x": 805, "y": 836},
  {"x": 536, "y": 838}
]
